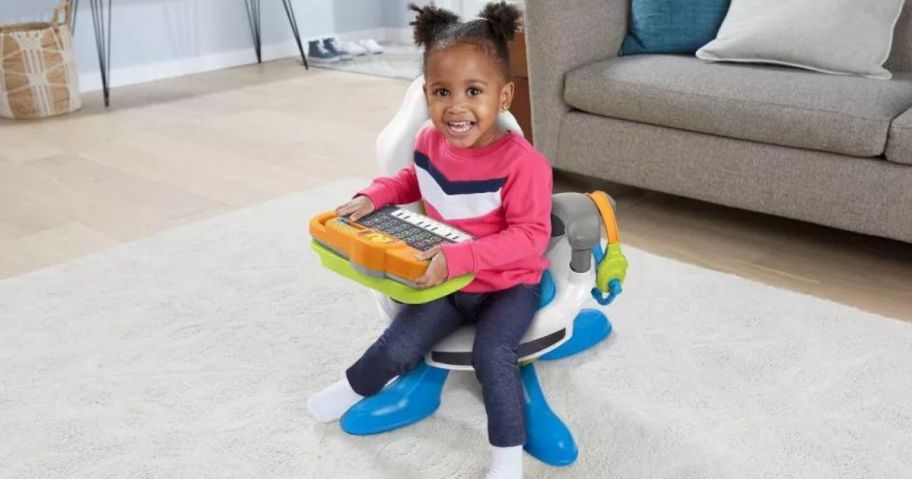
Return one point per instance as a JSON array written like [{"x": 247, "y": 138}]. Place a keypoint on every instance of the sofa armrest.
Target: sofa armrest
[{"x": 562, "y": 35}]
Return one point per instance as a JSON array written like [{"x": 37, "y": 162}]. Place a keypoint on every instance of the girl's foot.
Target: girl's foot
[
  {"x": 331, "y": 403},
  {"x": 506, "y": 463}
]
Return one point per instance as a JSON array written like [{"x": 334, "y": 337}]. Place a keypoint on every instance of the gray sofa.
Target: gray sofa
[{"x": 833, "y": 150}]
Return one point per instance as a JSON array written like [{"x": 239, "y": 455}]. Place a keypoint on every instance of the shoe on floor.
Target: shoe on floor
[
  {"x": 317, "y": 54},
  {"x": 355, "y": 48},
  {"x": 330, "y": 45},
  {"x": 371, "y": 45}
]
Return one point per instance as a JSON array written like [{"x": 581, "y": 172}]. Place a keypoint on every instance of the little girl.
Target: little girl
[{"x": 487, "y": 182}]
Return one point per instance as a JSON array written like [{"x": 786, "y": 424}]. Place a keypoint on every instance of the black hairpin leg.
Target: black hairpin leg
[
  {"x": 253, "y": 17},
  {"x": 102, "y": 24},
  {"x": 289, "y": 10},
  {"x": 75, "y": 8}
]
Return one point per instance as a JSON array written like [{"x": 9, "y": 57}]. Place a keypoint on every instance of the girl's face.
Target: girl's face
[{"x": 465, "y": 91}]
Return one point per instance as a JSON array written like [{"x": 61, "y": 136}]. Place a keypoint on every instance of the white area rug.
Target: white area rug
[{"x": 191, "y": 354}]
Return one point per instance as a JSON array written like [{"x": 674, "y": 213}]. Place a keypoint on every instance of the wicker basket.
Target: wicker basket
[{"x": 37, "y": 72}]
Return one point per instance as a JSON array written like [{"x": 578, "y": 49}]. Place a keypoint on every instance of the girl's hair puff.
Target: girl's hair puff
[{"x": 437, "y": 29}]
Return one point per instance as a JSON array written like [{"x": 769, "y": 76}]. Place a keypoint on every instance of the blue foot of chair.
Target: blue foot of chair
[
  {"x": 407, "y": 400},
  {"x": 548, "y": 438},
  {"x": 590, "y": 327}
]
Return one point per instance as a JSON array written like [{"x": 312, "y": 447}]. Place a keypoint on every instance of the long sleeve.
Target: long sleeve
[
  {"x": 527, "y": 212},
  {"x": 398, "y": 189}
]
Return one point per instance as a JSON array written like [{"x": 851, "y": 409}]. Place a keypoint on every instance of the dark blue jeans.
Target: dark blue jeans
[{"x": 501, "y": 319}]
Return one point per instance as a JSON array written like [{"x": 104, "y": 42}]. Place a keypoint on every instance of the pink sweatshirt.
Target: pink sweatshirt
[{"x": 500, "y": 194}]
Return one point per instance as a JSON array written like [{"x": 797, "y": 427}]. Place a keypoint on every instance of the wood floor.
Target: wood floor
[{"x": 178, "y": 151}]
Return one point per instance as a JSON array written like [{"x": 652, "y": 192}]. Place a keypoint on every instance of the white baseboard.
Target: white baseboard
[
  {"x": 122, "y": 76},
  {"x": 393, "y": 35},
  {"x": 379, "y": 34},
  {"x": 400, "y": 35}
]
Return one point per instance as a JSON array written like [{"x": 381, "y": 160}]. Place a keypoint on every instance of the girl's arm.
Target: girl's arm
[{"x": 401, "y": 188}]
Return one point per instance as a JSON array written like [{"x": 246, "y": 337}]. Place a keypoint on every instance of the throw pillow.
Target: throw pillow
[
  {"x": 830, "y": 36},
  {"x": 672, "y": 26}
]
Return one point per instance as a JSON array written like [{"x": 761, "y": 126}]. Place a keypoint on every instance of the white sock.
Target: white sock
[
  {"x": 331, "y": 403},
  {"x": 506, "y": 463}
]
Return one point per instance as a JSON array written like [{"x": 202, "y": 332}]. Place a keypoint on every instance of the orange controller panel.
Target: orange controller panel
[{"x": 386, "y": 242}]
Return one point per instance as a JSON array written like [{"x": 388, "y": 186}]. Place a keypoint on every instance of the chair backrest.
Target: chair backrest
[
  {"x": 396, "y": 143},
  {"x": 901, "y": 55}
]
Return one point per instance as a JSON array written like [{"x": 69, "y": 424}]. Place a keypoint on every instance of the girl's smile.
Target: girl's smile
[{"x": 460, "y": 128}]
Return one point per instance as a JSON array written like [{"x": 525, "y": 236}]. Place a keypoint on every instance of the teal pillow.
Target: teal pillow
[{"x": 672, "y": 26}]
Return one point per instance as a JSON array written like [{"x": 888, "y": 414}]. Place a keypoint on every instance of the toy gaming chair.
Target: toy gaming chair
[{"x": 560, "y": 328}]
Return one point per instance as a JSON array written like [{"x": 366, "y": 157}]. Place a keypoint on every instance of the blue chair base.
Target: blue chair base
[
  {"x": 548, "y": 439},
  {"x": 590, "y": 327},
  {"x": 409, "y": 399},
  {"x": 416, "y": 395}
]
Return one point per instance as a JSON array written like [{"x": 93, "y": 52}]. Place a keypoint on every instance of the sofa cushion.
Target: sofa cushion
[
  {"x": 899, "y": 143},
  {"x": 832, "y": 36},
  {"x": 672, "y": 26},
  {"x": 775, "y": 105}
]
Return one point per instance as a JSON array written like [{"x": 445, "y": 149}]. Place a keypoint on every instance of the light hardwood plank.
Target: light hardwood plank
[
  {"x": 178, "y": 151},
  {"x": 869, "y": 273}
]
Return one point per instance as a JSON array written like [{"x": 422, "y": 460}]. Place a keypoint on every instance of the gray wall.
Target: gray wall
[{"x": 398, "y": 15}]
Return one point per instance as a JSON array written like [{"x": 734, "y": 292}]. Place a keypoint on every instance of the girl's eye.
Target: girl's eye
[
  {"x": 473, "y": 91},
  {"x": 441, "y": 92}
]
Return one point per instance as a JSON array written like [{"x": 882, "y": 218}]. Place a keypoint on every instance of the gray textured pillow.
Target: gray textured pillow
[{"x": 830, "y": 36}]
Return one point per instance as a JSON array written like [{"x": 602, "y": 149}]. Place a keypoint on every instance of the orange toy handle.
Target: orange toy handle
[
  {"x": 600, "y": 198},
  {"x": 317, "y": 223},
  {"x": 366, "y": 247}
]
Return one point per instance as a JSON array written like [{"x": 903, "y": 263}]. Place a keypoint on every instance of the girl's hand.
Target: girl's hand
[
  {"x": 357, "y": 207},
  {"x": 436, "y": 272}
]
